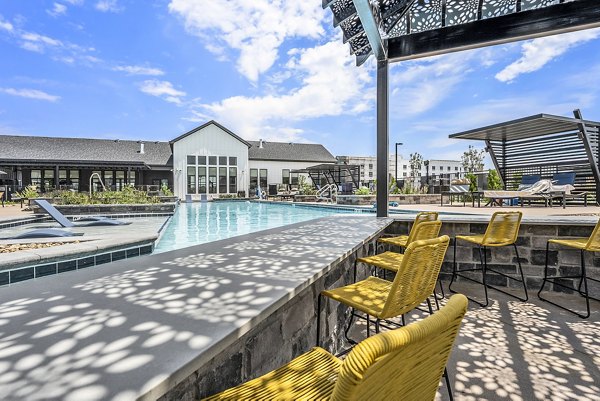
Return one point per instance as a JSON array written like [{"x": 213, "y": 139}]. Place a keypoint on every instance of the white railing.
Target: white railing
[{"x": 328, "y": 193}]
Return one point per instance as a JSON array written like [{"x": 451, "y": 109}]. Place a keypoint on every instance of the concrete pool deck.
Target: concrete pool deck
[{"x": 134, "y": 329}]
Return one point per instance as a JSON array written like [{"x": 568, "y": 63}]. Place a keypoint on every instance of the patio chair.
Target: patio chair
[
  {"x": 590, "y": 244},
  {"x": 406, "y": 363},
  {"x": 88, "y": 221},
  {"x": 44, "y": 233},
  {"x": 391, "y": 261},
  {"x": 563, "y": 185},
  {"x": 502, "y": 230},
  {"x": 403, "y": 240}
]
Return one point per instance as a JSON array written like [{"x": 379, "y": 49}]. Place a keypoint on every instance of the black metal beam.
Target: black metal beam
[
  {"x": 382, "y": 137},
  {"x": 589, "y": 152},
  {"x": 551, "y": 20}
]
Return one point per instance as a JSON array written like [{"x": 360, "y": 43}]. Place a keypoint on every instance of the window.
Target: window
[
  {"x": 36, "y": 178},
  {"x": 455, "y": 168},
  {"x": 74, "y": 179},
  {"x": 191, "y": 180},
  {"x": 253, "y": 180},
  {"x": 403, "y": 174},
  {"x": 191, "y": 160},
  {"x": 285, "y": 176},
  {"x": 449, "y": 168},
  {"x": 223, "y": 179},
  {"x": 370, "y": 174},
  {"x": 48, "y": 180},
  {"x": 108, "y": 179},
  {"x": 212, "y": 160},
  {"x": 232, "y": 179},
  {"x": 233, "y": 161},
  {"x": 202, "y": 180},
  {"x": 294, "y": 178},
  {"x": 119, "y": 179},
  {"x": 404, "y": 167},
  {"x": 212, "y": 179},
  {"x": 263, "y": 179},
  {"x": 432, "y": 168},
  {"x": 371, "y": 166},
  {"x": 202, "y": 160},
  {"x": 362, "y": 166},
  {"x": 132, "y": 177},
  {"x": 222, "y": 160}
]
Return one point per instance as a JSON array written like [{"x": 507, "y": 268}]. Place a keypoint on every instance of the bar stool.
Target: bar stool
[
  {"x": 502, "y": 230},
  {"x": 590, "y": 244},
  {"x": 402, "y": 241}
]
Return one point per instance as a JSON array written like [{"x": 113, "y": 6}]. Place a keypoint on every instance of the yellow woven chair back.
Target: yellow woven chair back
[
  {"x": 403, "y": 364},
  {"x": 427, "y": 230},
  {"x": 416, "y": 277},
  {"x": 421, "y": 218},
  {"x": 503, "y": 229},
  {"x": 593, "y": 243}
]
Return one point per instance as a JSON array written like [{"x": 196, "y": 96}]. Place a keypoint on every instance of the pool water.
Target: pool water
[{"x": 198, "y": 223}]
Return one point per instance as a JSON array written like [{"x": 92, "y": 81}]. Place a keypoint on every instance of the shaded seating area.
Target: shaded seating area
[{"x": 529, "y": 150}]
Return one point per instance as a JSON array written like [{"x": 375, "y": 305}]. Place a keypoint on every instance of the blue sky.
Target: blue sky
[{"x": 275, "y": 70}]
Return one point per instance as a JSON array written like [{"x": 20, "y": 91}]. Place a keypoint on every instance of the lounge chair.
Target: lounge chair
[
  {"x": 89, "y": 221},
  {"x": 45, "y": 233}
]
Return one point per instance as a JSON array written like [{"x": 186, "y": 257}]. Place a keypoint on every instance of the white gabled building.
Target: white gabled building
[{"x": 212, "y": 160}]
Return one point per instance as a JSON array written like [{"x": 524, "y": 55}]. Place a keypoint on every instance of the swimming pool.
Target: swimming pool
[{"x": 197, "y": 223}]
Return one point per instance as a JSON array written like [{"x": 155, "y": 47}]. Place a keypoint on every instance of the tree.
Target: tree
[
  {"x": 472, "y": 160},
  {"x": 416, "y": 161},
  {"x": 493, "y": 180}
]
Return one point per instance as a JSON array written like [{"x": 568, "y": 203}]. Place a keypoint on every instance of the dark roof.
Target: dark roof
[
  {"x": 206, "y": 125},
  {"x": 286, "y": 151},
  {"x": 78, "y": 150},
  {"x": 527, "y": 127}
]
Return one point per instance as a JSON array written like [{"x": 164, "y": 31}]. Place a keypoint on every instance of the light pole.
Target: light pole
[{"x": 396, "y": 172}]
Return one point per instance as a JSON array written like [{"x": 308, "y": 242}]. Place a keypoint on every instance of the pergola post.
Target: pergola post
[
  {"x": 382, "y": 138},
  {"x": 589, "y": 151}
]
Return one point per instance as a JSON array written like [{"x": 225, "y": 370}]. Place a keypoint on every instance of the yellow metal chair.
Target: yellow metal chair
[
  {"x": 390, "y": 261},
  {"x": 590, "y": 244},
  {"x": 502, "y": 230},
  {"x": 402, "y": 241},
  {"x": 402, "y": 364},
  {"x": 381, "y": 299}
]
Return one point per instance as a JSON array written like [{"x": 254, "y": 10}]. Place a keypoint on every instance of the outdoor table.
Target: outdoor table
[{"x": 474, "y": 195}]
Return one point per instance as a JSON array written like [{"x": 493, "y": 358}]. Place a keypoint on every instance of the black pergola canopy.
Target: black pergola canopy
[
  {"x": 396, "y": 30},
  {"x": 419, "y": 28},
  {"x": 544, "y": 145}
]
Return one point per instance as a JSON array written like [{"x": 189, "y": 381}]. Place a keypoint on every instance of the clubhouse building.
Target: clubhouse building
[{"x": 208, "y": 160}]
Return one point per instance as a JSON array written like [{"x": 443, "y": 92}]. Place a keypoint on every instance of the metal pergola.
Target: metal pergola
[
  {"x": 396, "y": 30},
  {"x": 543, "y": 144},
  {"x": 336, "y": 174}
]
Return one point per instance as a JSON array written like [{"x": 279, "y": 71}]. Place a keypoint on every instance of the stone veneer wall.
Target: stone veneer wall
[
  {"x": 411, "y": 199},
  {"x": 115, "y": 209},
  {"x": 531, "y": 245},
  {"x": 287, "y": 333}
]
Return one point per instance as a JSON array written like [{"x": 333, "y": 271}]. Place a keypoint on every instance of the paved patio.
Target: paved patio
[{"x": 525, "y": 351}]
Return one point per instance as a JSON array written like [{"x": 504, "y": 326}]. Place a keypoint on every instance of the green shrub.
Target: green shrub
[
  {"x": 166, "y": 191},
  {"x": 29, "y": 192},
  {"x": 362, "y": 191},
  {"x": 493, "y": 180},
  {"x": 472, "y": 181}
]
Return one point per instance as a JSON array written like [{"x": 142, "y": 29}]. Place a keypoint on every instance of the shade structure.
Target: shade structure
[
  {"x": 396, "y": 30},
  {"x": 543, "y": 144},
  {"x": 337, "y": 174}
]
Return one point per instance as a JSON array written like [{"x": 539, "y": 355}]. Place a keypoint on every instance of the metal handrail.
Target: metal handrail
[{"x": 99, "y": 179}]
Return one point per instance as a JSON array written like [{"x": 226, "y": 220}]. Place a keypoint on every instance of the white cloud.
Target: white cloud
[
  {"x": 74, "y": 2},
  {"x": 330, "y": 85},
  {"x": 30, "y": 94},
  {"x": 419, "y": 86},
  {"x": 162, "y": 89},
  {"x": 108, "y": 6},
  {"x": 57, "y": 10},
  {"x": 254, "y": 28},
  {"x": 139, "y": 70},
  {"x": 6, "y": 26},
  {"x": 538, "y": 52},
  {"x": 38, "y": 43}
]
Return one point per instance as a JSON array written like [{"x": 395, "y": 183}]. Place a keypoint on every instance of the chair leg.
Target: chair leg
[
  {"x": 429, "y": 306},
  {"x": 447, "y": 377},
  {"x": 583, "y": 279},
  {"x": 355, "y": 269},
  {"x": 368, "y": 325},
  {"x": 522, "y": 275},
  {"x": 350, "y": 341},
  {"x": 318, "y": 318},
  {"x": 484, "y": 275},
  {"x": 377, "y": 326},
  {"x": 453, "y": 267}
]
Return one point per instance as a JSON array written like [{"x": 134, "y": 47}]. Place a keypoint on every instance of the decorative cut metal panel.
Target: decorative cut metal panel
[
  {"x": 461, "y": 11},
  {"x": 534, "y": 4},
  {"x": 397, "y": 18},
  {"x": 497, "y": 8},
  {"x": 425, "y": 16}
]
